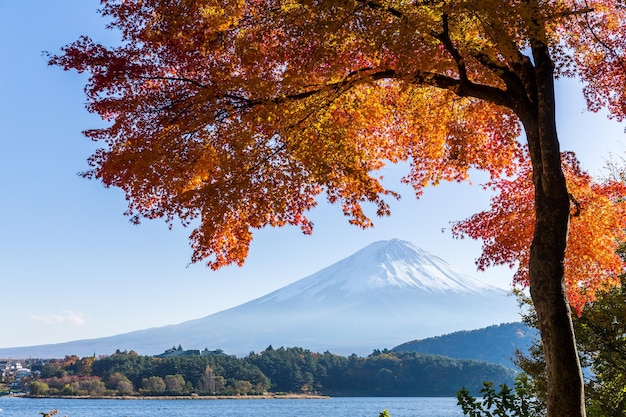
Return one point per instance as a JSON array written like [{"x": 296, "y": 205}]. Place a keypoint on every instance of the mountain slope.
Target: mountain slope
[
  {"x": 495, "y": 344},
  {"x": 382, "y": 295}
]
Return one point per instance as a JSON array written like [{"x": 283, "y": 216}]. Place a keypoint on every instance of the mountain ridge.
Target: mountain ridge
[{"x": 494, "y": 344}]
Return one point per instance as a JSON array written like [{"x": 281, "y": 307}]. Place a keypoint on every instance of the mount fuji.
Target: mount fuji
[{"x": 383, "y": 295}]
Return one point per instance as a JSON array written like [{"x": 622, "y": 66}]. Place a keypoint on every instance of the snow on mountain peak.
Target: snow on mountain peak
[
  {"x": 402, "y": 264},
  {"x": 386, "y": 264}
]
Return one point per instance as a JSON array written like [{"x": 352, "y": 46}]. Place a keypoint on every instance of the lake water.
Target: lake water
[{"x": 333, "y": 407}]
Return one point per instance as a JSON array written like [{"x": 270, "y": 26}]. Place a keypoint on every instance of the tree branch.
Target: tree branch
[
  {"x": 376, "y": 6},
  {"x": 446, "y": 41},
  {"x": 462, "y": 86}
]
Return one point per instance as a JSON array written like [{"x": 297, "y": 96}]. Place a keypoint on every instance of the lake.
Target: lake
[{"x": 333, "y": 407}]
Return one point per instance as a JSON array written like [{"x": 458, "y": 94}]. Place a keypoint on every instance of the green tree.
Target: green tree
[
  {"x": 119, "y": 383},
  {"x": 289, "y": 369},
  {"x": 93, "y": 387},
  {"x": 38, "y": 388},
  {"x": 51, "y": 370},
  {"x": 114, "y": 378},
  {"x": 243, "y": 387},
  {"x": 134, "y": 367},
  {"x": 124, "y": 387},
  {"x": 504, "y": 403},
  {"x": 174, "y": 383},
  {"x": 153, "y": 385},
  {"x": 601, "y": 331}
]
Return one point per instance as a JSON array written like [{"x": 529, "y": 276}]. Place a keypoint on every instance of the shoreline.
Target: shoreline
[{"x": 187, "y": 397}]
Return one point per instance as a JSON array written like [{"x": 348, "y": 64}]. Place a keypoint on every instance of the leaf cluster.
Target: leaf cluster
[
  {"x": 518, "y": 402},
  {"x": 597, "y": 225}
]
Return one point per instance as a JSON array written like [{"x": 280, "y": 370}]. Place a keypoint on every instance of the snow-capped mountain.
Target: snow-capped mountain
[
  {"x": 383, "y": 295},
  {"x": 393, "y": 264}
]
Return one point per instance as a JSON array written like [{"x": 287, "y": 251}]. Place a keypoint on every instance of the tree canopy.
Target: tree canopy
[{"x": 240, "y": 113}]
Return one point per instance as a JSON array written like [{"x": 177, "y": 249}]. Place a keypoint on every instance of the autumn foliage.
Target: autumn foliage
[{"x": 597, "y": 226}]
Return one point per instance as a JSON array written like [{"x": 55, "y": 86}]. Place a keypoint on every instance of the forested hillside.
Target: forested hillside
[
  {"x": 495, "y": 344},
  {"x": 283, "y": 370},
  {"x": 383, "y": 373}
]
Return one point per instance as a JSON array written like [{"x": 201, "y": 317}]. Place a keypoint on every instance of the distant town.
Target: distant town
[{"x": 16, "y": 375}]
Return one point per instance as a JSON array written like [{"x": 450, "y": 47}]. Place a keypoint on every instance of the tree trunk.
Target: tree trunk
[
  {"x": 565, "y": 394},
  {"x": 565, "y": 384}
]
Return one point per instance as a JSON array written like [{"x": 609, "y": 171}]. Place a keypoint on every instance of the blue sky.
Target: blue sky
[{"x": 73, "y": 267}]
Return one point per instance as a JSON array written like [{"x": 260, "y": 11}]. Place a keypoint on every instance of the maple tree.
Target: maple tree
[
  {"x": 598, "y": 224},
  {"x": 234, "y": 115}
]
